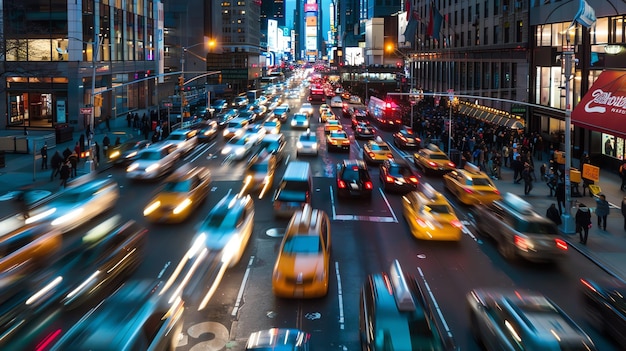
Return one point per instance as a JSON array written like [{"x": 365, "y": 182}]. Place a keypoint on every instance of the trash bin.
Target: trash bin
[
  {"x": 2, "y": 159},
  {"x": 63, "y": 132},
  {"x": 455, "y": 156}
]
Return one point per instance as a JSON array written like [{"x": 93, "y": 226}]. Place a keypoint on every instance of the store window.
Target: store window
[{"x": 612, "y": 146}]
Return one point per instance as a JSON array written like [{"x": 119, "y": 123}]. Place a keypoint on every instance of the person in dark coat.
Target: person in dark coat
[
  {"x": 96, "y": 147},
  {"x": 65, "y": 173},
  {"x": 106, "y": 144},
  {"x": 560, "y": 196},
  {"x": 73, "y": 160},
  {"x": 553, "y": 214},
  {"x": 66, "y": 153},
  {"x": 44, "y": 156},
  {"x": 528, "y": 179},
  {"x": 602, "y": 210},
  {"x": 55, "y": 162},
  {"x": 583, "y": 222}
]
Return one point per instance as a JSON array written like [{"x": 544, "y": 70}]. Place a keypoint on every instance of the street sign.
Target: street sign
[
  {"x": 85, "y": 110},
  {"x": 167, "y": 104}
]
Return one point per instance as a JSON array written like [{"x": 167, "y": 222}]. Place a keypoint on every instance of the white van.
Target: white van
[{"x": 294, "y": 191}]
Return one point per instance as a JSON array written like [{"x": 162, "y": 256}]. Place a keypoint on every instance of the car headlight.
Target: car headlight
[
  {"x": 293, "y": 122},
  {"x": 314, "y": 146},
  {"x": 239, "y": 151},
  {"x": 132, "y": 167},
  {"x": 207, "y": 132},
  {"x": 77, "y": 213},
  {"x": 132, "y": 154},
  {"x": 182, "y": 206},
  {"x": 114, "y": 154},
  {"x": 231, "y": 248},
  {"x": 225, "y": 132},
  {"x": 299, "y": 145},
  {"x": 226, "y": 150},
  {"x": 151, "y": 208},
  {"x": 153, "y": 167}
]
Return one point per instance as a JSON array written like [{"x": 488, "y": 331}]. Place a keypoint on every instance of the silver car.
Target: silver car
[
  {"x": 522, "y": 320},
  {"x": 154, "y": 162},
  {"x": 307, "y": 144}
]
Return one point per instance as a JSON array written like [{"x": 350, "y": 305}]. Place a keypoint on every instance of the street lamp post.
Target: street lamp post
[
  {"x": 567, "y": 219},
  {"x": 183, "y": 101},
  {"x": 92, "y": 98}
]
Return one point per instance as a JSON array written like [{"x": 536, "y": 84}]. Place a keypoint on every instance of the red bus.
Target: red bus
[
  {"x": 317, "y": 95},
  {"x": 386, "y": 113}
]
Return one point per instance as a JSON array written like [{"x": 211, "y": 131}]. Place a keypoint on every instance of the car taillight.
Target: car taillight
[
  {"x": 432, "y": 164},
  {"x": 496, "y": 191},
  {"x": 359, "y": 129},
  {"x": 368, "y": 185},
  {"x": 521, "y": 242},
  {"x": 371, "y": 154},
  {"x": 561, "y": 244},
  {"x": 468, "y": 190},
  {"x": 341, "y": 184},
  {"x": 456, "y": 223},
  {"x": 346, "y": 142},
  {"x": 389, "y": 155},
  {"x": 451, "y": 164},
  {"x": 414, "y": 179},
  {"x": 389, "y": 179}
]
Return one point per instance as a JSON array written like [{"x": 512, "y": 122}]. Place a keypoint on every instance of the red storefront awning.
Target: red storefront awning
[{"x": 603, "y": 108}]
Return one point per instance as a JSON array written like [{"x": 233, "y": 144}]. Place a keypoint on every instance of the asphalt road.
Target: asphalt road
[{"x": 366, "y": 238}]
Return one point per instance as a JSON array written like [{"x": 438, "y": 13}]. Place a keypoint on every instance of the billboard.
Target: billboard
[
  {"x": 310, "y": 7},
  {"x": 272, "y": 35},
  {"x": 311, "y": 21}
]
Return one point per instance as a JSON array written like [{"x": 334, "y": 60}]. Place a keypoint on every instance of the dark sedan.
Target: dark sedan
[
  {"x": 207, "y": 131},
  {"x": 605, "y": 304},
  {"x": 405, "y": 139},
  {"x": 125, "y": 153},
  {"x": 397, "y": 176}
]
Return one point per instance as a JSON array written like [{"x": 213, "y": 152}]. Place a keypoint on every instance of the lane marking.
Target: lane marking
[
  {"x": 332, "y": 202},
  {"x": 167, "y": 264},
  {"x": 242, "y": 287},
  {"x": 340, "y": 296},
  {"x": 382, "y": 193},
  {"x": 348, "y": 217},
  {"x": 445, "y": 324}
]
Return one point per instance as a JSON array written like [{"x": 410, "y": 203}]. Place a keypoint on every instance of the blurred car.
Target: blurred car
[
  {"x": 207, "y": 131},
  {"x": 259, "y": 173},
  {"x": 306, "y": 108},
  {"x": 238, "y": 148},
  {"x": 77, "y": 204},
  {"x": 255, "y": 133},
  {"x": 364, "y": 130},
  {"x": 323, "y": 108},
  {"x": 228, "y": 227},
  {"x": 262, "y": 101},
  {"x": 470, "y": 185},
  {"x": 605, "y": 306},
  {"x": 300, "y": 121},
  {"x": 218, "y": 106},
  {"x": 327, "y": 116},
  {"x": 279, "y": 339},
  {"x": 225, "y": 116},
  {"x": 154, "y": 161},
  {"x": 274, "y": 102},
  {"x": 135, "y": 317},
  {"x": 240, "y": 101},
  {"x": 432, "y": 160},
  {"x": 249, "y": 115},
  {"x": 353, "y": 179},
  {"x": 355, "y": 99},
  {"x": 522, "y": 320},
  {"x": 126, "y": 152},
  {"x": 519, "y": 231},
  {"x": 184, "y": 139},
  {"x": 236, "y": 127},
  {"x": 397, "y": 176},
  {"x": 376, "y": 151},
  {"x": 182, "y": 192},
  {"x": 272, "y": 126},
  {"x": 405, "y": 139},
  {"x": 331, "y": 125},
  {"x": 345, "y": 95},
  {"x": 338, "y": 140},
  {"x": 303, "y": 263},
  {"x": 307, "y": 144},
  {"x": 274, "y": 144},
  {"x": 396, "y": 310},
  {"x": 260, "y": 112},
  {"x": 430, "y": 216},
  {"x": 281, "y": 112},
  {"x": 336, "y": 101},
  {"x": 356, "y": 113}
]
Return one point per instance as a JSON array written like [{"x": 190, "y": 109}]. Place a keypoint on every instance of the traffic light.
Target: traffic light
[
  {"x": 181, "y": 81},
  {"x": 97, "y": 100}
]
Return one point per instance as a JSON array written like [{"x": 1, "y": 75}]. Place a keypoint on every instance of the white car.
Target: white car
[
  {"x": 154, "y": 161},
  {"x": 184, "y": 139},
  {"x": 336, "y": 101},
  {"x": 307, "y": 144},
  {"x": 237, "y": 148},
  {"x": 254, "y": 133},
  {"x": 306, "y": 108}
]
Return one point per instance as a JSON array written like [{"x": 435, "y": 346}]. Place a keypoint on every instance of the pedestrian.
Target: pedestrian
[
  {"x": 505, "y": 155},
  {"x": 73, "y": 159},
  {"x": 146, "y": 131},
  {"x": 622, "y": 174},
  {"x": 65, "y": 173},
  {"x": 553, "y": 214},
  {"x": 55, "y": 162},
  {"x": 602, "y": 210},
  {"x": 129, "y": 119},
  {"x": 77, "y": 150},
  {"x": 118, "y": 141},
  {"x": 44, "y": 156},
  {"x": 107, "y": 120},
  {"x": 624, "y": 211},
  {"x": 528, "y": 178},
  {"x": 518, "y": 167},
  {"x": 81, "y": 141},
  {"x": 560, "y": 196},
  {"x": 106, "y": 142},
  {"x": 66, "y": 153},
  {"x": 583, "y": 222},
  {"x": 96, "y": 147}
]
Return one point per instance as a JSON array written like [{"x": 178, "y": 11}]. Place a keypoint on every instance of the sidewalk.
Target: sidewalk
[{"x": 605, "y": 248}]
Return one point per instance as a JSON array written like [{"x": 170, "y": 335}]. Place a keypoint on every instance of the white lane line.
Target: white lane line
[
  {"x": 340, "y": 295},
  {"x": 196, "y": 153},
  {"x": 445, "y": 324},
  {"x": 382, "y": 193},
  {"x": 332, "y": 201},
  {"x": 167, "y": 264},
  {"x": 242, "y": 287},
  {"x": 349, "y": 217}
]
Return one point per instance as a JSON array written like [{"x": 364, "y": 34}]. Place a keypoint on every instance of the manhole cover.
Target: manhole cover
[{"x": 275, "y": 232}]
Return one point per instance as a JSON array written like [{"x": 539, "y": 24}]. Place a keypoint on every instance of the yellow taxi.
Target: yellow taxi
[
  {"x": 324, "y": 108},
  {"x": 303, "y": 263},
  {"x": 430, "y": 216},
  {"x": 327, "y": 116},
  {"x": 376, "y": 151},
  {"x": 471, "y": 186},
  {"x": 432, "y": 160},
  {"x": 183, "y": 191},
  {"x": 338, "y": 140},
  {"x": 332, "y": 124}
]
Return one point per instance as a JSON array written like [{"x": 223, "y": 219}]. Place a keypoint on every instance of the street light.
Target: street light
[
  {"x": 92, "y": 99},
  {"x": 411, "y": 61},
  {"x": 181, "y": 80}
]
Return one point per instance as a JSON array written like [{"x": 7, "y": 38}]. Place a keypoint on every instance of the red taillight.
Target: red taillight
[
  {"x": 521, "y": 243},
  {"x": 468, "y": 190},
  {"x": 496, "y": 191},
  {"x": 359, "y": 130},
  {"x": 561, "y": 244},
  {"x": 371, "y": 154},
  {"x": 403, "y": 138},
  {"x": 451, "y": 164},
  {"x": 389, "y": 179},
  {"x": 414, "y": 179},
  {"x": 432, "y": 164},
  {"x": 368, "y": 185},
  {"x": 345, "y": 142},
  {"x": 389, "y": 155},
  {"x": 456, "y": 223},
  {"x": 43, "y": 345},
  {"x": 341, "y": 184}
]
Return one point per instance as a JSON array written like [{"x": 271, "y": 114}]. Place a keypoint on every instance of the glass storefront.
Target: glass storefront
[{"x": 612, "y": 146}]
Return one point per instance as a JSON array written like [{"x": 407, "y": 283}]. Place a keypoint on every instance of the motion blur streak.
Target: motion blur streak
[
  {"x": 192, "y": 270},
  {"x": 214, "y": 286},
  {"x": 39, "y": 216},
  {"x": 44, "y": 290},
  {"x": 190, "y": 254},
  {"x": 43, "y": 345}
]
